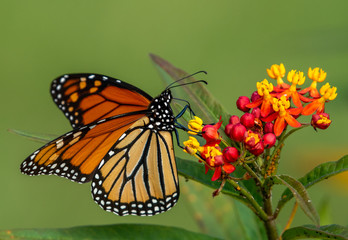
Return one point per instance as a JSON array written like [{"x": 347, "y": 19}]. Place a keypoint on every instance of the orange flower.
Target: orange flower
[
  {"x": 296, "y": 78},
  {"x": 328, "y": 94},
  {"x": 283, "y": 115},
  {"x": 317, "y": 76},
  {"x": 264, "y": 89}
]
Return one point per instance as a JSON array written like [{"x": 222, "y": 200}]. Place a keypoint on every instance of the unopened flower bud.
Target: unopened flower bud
[
  {"x": 269, "y": 139},
  {"x": 234, "y": 119},
  {"x": 256, "y": 112},
  {"x": 228, "y": 129},
  {"x": 268, "y": 127},
  {"x": 210, "y": 133},
  {"x": 247, "y": 120},
  {"x": 231, "y": 154},
  {"x": 321, "y": 121},
  {"x": 238, "y": 131},
  {"x": 242, "y": 102},
  {"x": 257, "y": 149},
  {"x": 255, "y": 96}
]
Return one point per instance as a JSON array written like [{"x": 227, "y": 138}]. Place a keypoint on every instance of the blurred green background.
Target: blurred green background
[{"x": 234, "y": 41}]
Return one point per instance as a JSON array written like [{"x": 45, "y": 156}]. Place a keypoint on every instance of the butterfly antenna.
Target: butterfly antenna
[
  {"x": 198, "y": 81},
  {"x": 169, "y": 86}
]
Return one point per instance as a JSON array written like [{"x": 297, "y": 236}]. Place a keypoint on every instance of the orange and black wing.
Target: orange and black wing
[
  {"x": 87, "y": 98},
  {"x": 77, "y": 154},
  {"x": 138, "y": 175}
]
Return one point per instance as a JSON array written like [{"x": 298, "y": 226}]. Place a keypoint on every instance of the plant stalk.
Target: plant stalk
[
  {"x": 270, "y": 224},
  {"x": 255, "y": 206}
]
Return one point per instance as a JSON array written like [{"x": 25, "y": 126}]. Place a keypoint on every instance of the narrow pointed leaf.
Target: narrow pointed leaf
[
  {"x": 324, "y": 232},
  {"x": 319, "y": 173},
  {"x": 119, "y": 232},
  {"x": 300, "y": 193}
]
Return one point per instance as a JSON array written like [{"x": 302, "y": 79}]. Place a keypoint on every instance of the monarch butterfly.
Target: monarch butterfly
[{"x": 121, "y": 141}]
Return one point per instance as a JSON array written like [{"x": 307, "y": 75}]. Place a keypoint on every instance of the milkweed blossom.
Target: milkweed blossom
[{"x": 267, "y": 115}]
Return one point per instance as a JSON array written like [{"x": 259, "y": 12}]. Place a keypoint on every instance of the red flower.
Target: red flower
[{"x": 211, "y": 135}]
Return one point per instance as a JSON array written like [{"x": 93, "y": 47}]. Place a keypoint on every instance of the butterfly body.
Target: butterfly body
[{"x": 121, "y": 140}]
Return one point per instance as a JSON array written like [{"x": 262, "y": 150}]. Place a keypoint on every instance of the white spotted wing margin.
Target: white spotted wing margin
[{"x": 138, "y": 176}]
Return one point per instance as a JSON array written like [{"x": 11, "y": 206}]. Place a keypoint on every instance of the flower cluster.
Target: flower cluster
[
  {"x": 267, "y": 113},
  {"x": 210, "y": 152}
]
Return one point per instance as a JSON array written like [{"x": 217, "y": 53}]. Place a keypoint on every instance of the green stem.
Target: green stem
[
  {"x": 255, "y": 206},
  {"x": 270, "y": 224},
  {"x": 252, "y": 173}
]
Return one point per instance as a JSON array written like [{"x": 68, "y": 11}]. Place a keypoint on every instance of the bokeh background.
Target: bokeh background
[{"x": 233, "y": 40}]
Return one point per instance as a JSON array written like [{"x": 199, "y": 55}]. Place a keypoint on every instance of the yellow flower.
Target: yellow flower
[
  {"x": 264, "y": 88},
  {"x": 195, "y": 125},
  {"x": 209, "y": 153},
  {"x": 278, "y": 72},
  {"x": 329, "y": 93},
  {"x": 191, "y": 146},
  {"x": 296, "y": 78},
  {"x": 280, "y": 105},
  {"x": 316, "y": 74}
]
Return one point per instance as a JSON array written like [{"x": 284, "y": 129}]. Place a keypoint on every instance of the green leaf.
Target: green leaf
[
  {"x": 37, "y": 137},
  {"x": 251, "y": 225},
  {"x": 309, "y": 231},
  {"x": 319, "y": 173},
  {"x": 300, "y": 193},
  {"x": 120, "y": 231},
  {"x": 195, "y": 171}
]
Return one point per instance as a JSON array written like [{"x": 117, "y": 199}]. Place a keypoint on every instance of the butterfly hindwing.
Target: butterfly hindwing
[
  {"x": 138, "y": 176},
  {"x": 77, "y": 154},
  {"x": 87, "y": 98}
]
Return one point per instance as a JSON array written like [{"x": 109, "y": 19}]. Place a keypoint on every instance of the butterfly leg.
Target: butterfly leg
[
  {"x": 177, "y": 138},
  {"x": 187, "y": 106}
]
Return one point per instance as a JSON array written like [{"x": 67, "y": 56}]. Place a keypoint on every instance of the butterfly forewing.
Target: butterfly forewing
[
  {"x": 87, "y": 98},
  {"x": 77, "y": 154},
  {"x": 138, "y": 176}
]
